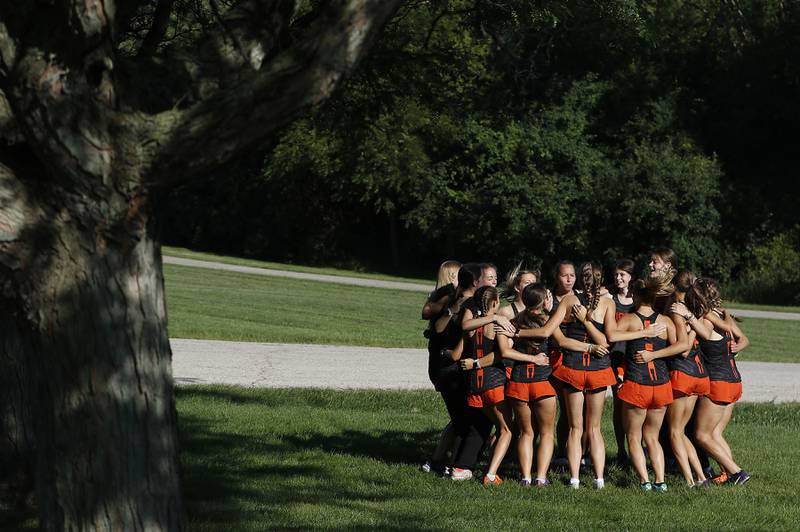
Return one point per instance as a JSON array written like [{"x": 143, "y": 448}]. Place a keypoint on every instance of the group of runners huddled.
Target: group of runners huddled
[{"x": 664, "y": 344}]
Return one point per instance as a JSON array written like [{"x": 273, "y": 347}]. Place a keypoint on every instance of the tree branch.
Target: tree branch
[
  {"x": 263, "y": 98},
  {"x": 61, "y": 88},
  {"x": 158, "y": 29}
]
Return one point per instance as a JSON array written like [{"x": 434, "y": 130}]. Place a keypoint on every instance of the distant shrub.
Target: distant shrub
[{"x": 774, "y": 273}]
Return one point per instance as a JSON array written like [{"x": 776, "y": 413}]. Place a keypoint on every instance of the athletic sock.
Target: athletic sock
[
  {"x": 541, "y": 479},
  {"x": 528, "y": 479},
  {"x": 491, "y": 477},
  {"x": 574, "y": 481}
]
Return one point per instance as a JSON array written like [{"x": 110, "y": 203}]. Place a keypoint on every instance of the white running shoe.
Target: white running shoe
[
  {"x": 426, "y": 467},
  {"x": 460, "y": 474},
  {"x": 598, "y": 483},
  {"x": 574, "y": 483}
]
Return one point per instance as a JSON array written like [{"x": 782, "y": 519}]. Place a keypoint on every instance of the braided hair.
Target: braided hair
[
  {"x": 592, "y": 282},
  {"x": 484, "y": 297}
]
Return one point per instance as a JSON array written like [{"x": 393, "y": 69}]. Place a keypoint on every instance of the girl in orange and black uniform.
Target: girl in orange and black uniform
[
  {"x": 529, "y": 390},
  {"x": 646, "y": 390},
  {"x": 720, "y": 341},
  {"x": 585, "y": 375},
  {"x": 564, "y": 282},
  {"x": 439, "y": 302},
  {"x": 487, "y": 375},
  {"x": 624, "y": 273}
]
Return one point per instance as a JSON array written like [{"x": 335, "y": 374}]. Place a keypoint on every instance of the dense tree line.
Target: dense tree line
[{"x": 536, "y": 130}]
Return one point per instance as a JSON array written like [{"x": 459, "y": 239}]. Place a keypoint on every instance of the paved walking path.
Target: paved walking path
[
  {"x": 323, "y": 366},
  {"x": 396, "y": 285}
]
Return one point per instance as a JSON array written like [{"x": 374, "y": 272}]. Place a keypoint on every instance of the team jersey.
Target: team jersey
[
  {"x": 719, "y": 360},
  {"x": 528, "y": 371},
  {"x": 483, "y": 379},
  {"x": 692, "y": 365},
  {"x": 654, "y": 372},
  {"x": 577, "y": 331},
  {"x": 621, "y": 308}
]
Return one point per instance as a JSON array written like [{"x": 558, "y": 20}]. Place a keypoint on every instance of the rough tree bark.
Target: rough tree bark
[{"x": 85, "y": 149}]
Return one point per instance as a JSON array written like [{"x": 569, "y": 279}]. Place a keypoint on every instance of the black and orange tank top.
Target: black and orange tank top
[
  {"x": 577, "y": 331},
  {"x": 692, "y": 365},
  {"x": 528, "y": 371},
  {"x": 488, "y": 378},
  {"x": 719, "y": 360},
  {"x": 654, "y": 372}
]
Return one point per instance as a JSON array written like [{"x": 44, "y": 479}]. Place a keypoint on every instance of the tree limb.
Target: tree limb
[
  {"x": 263, "y": 98},
  {"x": 158, "y": 29}
]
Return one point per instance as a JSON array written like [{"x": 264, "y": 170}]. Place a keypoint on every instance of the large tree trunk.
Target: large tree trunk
[
  {"x": 105, "y": 413},
  {"x": 17, "y": 449},
  {"x": 94, "y": 131}
]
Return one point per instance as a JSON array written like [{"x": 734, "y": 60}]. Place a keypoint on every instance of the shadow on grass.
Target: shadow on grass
[{"x": 235, "y": 479}]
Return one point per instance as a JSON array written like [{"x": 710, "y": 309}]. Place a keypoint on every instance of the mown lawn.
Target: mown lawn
[
  {"x": 219, "y": 305},
  {"x": 314, "y": 459},
  {"x": 199, "y": 255}
]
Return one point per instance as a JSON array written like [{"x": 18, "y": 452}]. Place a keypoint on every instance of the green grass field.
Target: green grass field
[
  {"x": 218, "y": 305},
  {"x": 189, "y": 254},
  {"x": 198, "y": 255},
  {"x": 311, "y": 459}
]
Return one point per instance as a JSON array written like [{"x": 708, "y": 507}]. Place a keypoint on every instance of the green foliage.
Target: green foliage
[
  {"x": 773, "y": 275},
  {"x": 529, "y": 130}
]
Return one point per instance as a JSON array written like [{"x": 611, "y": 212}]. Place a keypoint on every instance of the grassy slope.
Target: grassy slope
[
  {"x": 300, "y": 459},
  {"x": 189, "y": 254},
  {"x": 771, "y": 340},
  {"x": 221, "y": 305}
]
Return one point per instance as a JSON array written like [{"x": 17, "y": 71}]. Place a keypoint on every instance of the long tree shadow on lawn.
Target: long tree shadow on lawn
[
  {"x": 392, "y": 447},
  {"x": 234, "y": 480},
  {"x": 237, "y": 481}
]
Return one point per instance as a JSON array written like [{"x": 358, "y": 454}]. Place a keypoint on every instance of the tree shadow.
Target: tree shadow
[{"x": 233, "y": 479}]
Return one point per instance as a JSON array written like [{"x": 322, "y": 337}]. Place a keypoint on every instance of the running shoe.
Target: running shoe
[
  {"x": 574, "y": 483},
  {"x": 722, "y": 478},
  {"x": 525, "y": 483},
  {"x": 460, "y": 474},
  {"x": 542, "y": 483},
  {"x": 598, "y": 483},
  {"x": 496, "y": 482},
  {"x": 446, "y": 471},
  {"x": 426, "y": 467},
  {"x": 646, "y": 486},
  {"x": 739, "y": 478},
  {"x": 709, "y": 472},
  {"x": 660, "y": 486}
]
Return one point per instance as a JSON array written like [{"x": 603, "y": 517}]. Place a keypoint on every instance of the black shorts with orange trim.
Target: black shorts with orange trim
[
  {"x": 725, "y": 392},
  {"x": 688, "y": 385},
  {"x": 492, "y": 397},
  {"x": 529, "y": 391},
  {"x": 585, "y": 380},
  {"x": 645, "y": 396}
]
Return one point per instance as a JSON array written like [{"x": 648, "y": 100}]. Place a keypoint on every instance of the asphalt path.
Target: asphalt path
[
  {"x": 396, "y": 285},
  {"x": 324, "y": 366}
]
